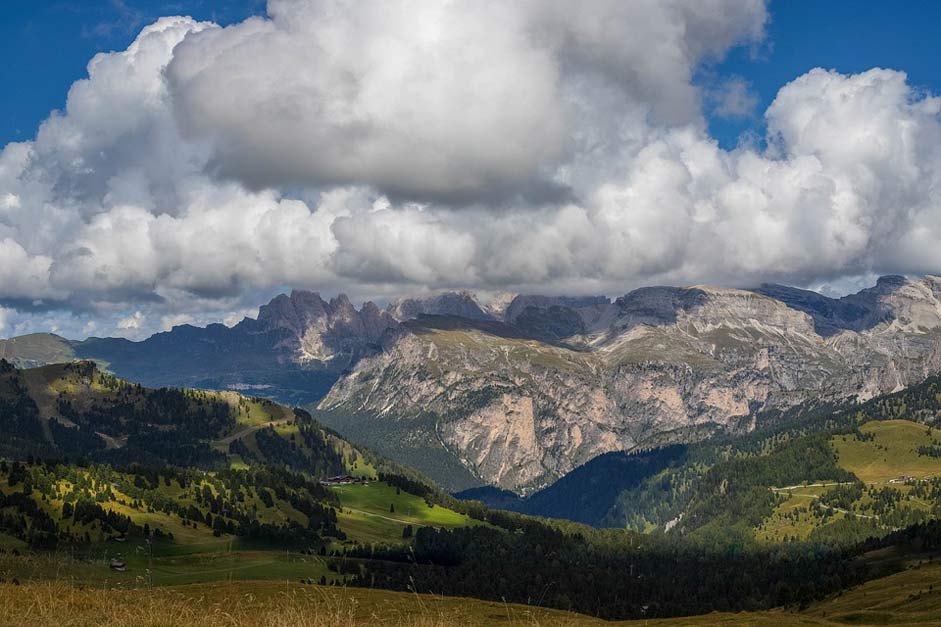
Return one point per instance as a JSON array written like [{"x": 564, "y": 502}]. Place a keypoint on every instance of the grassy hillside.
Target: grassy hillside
[
  {"x": 890, "y": 449},
  {"x": 77, "y": 410},
  {"x": 64, "y": 525},
  {"x": 895, "y": 482},
  {"x": 187, "y": 485},
  {"x": 379, "y": 512},
  {"x": 190, "y": 526}
]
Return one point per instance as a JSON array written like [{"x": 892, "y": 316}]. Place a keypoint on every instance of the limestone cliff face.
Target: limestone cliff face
[{"x": 520, "y": 404}]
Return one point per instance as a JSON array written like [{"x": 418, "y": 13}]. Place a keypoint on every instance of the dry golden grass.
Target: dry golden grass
[
  {"x": 265, "y": 604},
  {"x": 905, "y": 599}
]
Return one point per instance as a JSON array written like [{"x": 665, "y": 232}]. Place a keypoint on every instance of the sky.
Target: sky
[{"x": 166, "y": 162}]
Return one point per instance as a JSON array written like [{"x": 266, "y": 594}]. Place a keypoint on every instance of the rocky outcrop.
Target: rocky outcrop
[
  {"x": 570, "y": 379},
  {"x": 294, "y": 351}
]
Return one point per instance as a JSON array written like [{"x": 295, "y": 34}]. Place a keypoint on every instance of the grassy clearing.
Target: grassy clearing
[
  {"x": 893, "y": 451},
  {"x": 236, "y": 566},
  {"x": 912, "y": 597},
  {"x": 366, "y": 513},
  {"x": 793, "y": 517}
]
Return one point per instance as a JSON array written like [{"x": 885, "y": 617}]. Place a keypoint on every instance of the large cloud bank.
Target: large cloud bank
[{"x": 382, "y": 147}]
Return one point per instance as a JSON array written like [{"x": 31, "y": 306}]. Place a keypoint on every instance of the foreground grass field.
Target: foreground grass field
[{"x": 911, "y": 597}]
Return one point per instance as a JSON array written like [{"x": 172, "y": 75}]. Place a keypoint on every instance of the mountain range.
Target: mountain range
[{"x": 517, "y": 391}]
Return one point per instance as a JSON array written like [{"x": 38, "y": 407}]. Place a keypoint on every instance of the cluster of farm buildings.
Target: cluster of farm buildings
[{"x": 344, "y": 480}]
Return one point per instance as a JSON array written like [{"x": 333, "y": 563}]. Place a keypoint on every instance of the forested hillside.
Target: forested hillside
[{"x": 77, "y": 410}]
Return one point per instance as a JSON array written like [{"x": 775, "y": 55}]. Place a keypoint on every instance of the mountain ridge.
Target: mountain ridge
[
  {"x": 518, "y": 392},
  {"x": 519, "y": 413}
]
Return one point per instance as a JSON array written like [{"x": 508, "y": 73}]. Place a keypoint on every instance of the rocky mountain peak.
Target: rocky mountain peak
[
  {"x": 559, "y": 317},
  {"x": 319, "y": 330},
  {"x": 704, "y": 308},
  {"x": 890, "y": 283},
  {"x": 910, "y": 303},
  {"x": 294, "y": 312},
  {"x": 463, "y": 304},
  {"x": 498, "y": 303},
  {"x": 341, "y": 302},
  {"x": 655, "y": 306}
]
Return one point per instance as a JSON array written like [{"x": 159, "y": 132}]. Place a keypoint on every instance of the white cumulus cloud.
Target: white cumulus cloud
[{"x": 375, "y": 147}]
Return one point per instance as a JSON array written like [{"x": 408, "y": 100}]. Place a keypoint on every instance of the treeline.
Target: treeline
[
  {"x": 106, "y": 420},
  {"x": 131, "y": 410},
  {"x": 164, "y": 426},
  {"x": 543, "y": 565}
]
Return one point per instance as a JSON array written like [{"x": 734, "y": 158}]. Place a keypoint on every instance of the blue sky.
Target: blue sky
[
  {"x": 409, "y": 146},
  {"x": 52, "y": 41},
  {"x": 849, "y": 36}
]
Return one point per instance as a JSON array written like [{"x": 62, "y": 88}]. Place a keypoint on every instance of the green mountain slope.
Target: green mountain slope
[
  {"x": 190, "y": 485},
  {"x": 839, "y": 473},
  {"x": 76, "y": 409}
]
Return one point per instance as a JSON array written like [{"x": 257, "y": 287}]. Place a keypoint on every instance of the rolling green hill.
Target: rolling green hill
[
  {"x": 204, "y": 485},
  {"x": 175, "y": 526},
  {"x": 897, "y": 483}
]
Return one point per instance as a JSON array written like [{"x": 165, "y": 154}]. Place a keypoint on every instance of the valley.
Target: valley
[
  {"x": 626, "y": 430},
  {"x": 243, "y": 495}
]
